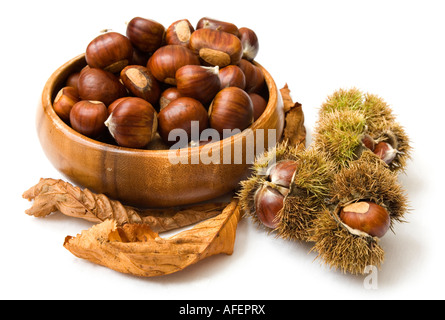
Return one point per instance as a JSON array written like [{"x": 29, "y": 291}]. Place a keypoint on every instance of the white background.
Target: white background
[{"x": 395, "y": 49}]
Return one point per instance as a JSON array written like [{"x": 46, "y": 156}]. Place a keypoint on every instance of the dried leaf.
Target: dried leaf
[
  {"x": 287, "y": 100},
  {"x": 137, "y": 250},
  {"x": 52, "y": 195},
  {"x": 294, "y": 129}
]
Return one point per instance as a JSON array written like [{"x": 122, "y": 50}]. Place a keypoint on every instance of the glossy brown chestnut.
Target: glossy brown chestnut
[
  {"x": 230, "y": 109},
  {"x": 110, "y": 51},
  {"x": 232, "y": 76},
  {"x": 133, "y": 123},
  {"x": 368, "y": 217},
  {"x": 216, "y": 48},
  {"x": 145, "y": 34},
  {"x": 254, "y": 76},
  {"x": 208, "y": 23},
  {"x": 169, "y": 95},
  {"x": 259, "y": 105},
  {"x": 282, "y": 173},
  {"x": 73, "y": 80},
  {"x": 139, "y": 81},
  {"x": 100, "y": 85},
  {"x": 268, "y": 204},
  {"x": 88, "y": 117},
  {"x": 66, "y": 98},
  {"x": 385, "y": 151},
  {"x": 180, "y": 114},
  {"x": 198, "y": 82},
  {"x": 115, "y": 103},
  {"x": 179, "y": 32},
  {"x": 250, "y": 43},
  {"x": 164, "y": 63}
]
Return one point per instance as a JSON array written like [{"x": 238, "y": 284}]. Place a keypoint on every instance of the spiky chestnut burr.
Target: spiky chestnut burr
[
  {"x": 340, "y": 168},
  {"x": 351, "y": 122},
  {"x": 269, "y": 199},
  {"x": 295, "y": 182},
  {"x": 366, "y": 187}
]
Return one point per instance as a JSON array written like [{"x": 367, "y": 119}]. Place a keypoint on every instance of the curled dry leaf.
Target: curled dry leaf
[
  {"x": 136, "y": 249},
  {"x": 294, "y": 129},
  {"x": 51, "y": 195}
]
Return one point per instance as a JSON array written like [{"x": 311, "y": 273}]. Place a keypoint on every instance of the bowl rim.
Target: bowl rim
[{"x": 64, "y": 70}]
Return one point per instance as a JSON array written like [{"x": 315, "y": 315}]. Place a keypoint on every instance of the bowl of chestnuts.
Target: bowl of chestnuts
[{"x": 161, "y": 116}]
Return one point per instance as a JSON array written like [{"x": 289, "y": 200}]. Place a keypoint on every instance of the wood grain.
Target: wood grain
[{"x": 145, "y": 178}]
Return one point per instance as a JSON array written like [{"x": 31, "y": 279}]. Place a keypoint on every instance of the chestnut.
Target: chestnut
[
  {"x": 232, "y": 76},
  {"x": 209, "y": 23},
  {"x": 282, "y": 173},
  {"x": 254, "y": 76},
  {"x": 140, "y": 58},
  {"x": 198, "y": 82},
  {"x": 249, "y": 40},
  {"x": 88, "y": 117},
  {"x": 100, "y": 85},
  {"x": 230, "y": 109},
  {"x": 385, "y": 151},
  {"x": 110, "y": 51},
  {"x": 73, "y": 80},
  {"x": 259, "y": 105},
  {"x": 145, "y": 34},
  {"x": 169, "y": 95},
  {"x": 180, "y": 114},
  {"x": 367, "y": 217},
  {"x": 268, "y": 204},
  {"x": 216, "y": 48},
  {"x": 179, "y": 33},
  {"x": 133, "y": 123},
  {"x": 66, "y": 98},
  {"x": 139, "y": 81},
  {"x": 114, "y": 104},
  {"x": 164, "y": 63},
  {"x": 368, "y": 142}
]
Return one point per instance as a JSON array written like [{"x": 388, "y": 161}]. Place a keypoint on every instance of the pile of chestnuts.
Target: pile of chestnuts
[{"x": 143, "y": 85}]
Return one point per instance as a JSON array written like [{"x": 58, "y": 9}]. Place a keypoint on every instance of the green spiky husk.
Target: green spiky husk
[
  {"x": 351, "y": 250},
  {"x": 375, "y": 110},
  {"x": 395, "y": 135},
  {"x": 338, "y": 134},
  {"x": 308, "y": 194},
  {"x": 249, "y": 187},
  {"x": 369, "y": 179},
  {"x": 336, "y": 170},
  {"x": 341, "y": 250},
  {"x": 347, "y": 115}
]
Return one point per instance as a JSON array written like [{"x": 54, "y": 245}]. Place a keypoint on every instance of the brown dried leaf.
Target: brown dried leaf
[
  {"x": 52, "y": 195},
  {"x": 137, "y": 250},
  {"x": 294, "y": 129},
  {"x": 287, "y": 100}
]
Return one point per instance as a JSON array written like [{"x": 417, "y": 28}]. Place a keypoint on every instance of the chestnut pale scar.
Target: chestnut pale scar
[
  {"x": 183, "y": 31},
  {"x": 137, "y": 77},
  {"x": 215, "y": 57},
  {"x": 359, "y": 207}
]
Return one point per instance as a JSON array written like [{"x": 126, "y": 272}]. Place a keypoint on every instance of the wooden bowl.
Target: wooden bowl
[{"x": 147, "y": 178}]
